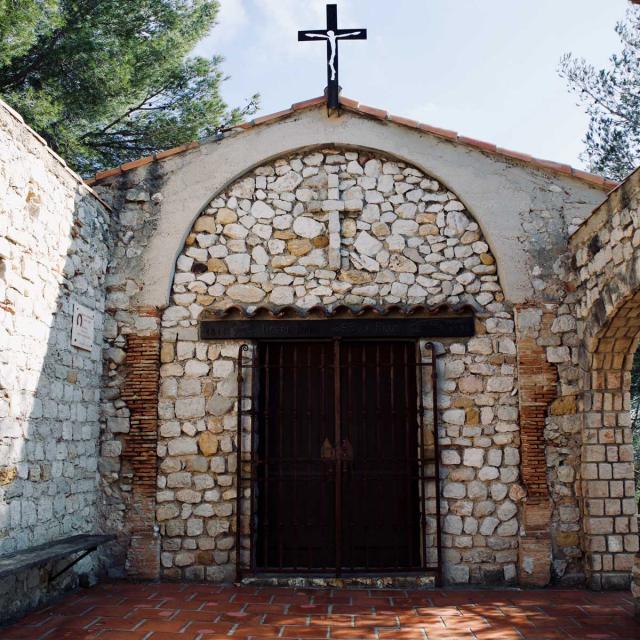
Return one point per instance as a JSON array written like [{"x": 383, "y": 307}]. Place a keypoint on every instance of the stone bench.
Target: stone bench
[{"x": 50, "y": 552}]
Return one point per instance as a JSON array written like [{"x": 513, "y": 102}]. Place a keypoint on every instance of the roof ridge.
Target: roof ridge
[{"x": 379, "y": 114}]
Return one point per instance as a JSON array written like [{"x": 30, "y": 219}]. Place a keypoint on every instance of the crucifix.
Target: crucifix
[{"x": 332, "y": 35}]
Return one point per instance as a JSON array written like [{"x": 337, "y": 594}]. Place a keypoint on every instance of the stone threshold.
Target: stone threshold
[{"x": 395, "y": 581}]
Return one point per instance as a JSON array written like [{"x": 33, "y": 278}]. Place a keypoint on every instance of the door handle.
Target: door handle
[
  {"x": 327, "y": 452},
  {"x": 346, "y": 450}
]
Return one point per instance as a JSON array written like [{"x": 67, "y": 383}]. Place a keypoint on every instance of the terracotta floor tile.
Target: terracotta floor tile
[
  {"x": 123, "y": 611},
  {"x": 151, "y": 624},
  {"x": 121, "y": 635},
  {"x": 360, "y": 634},
  {"x": 113, "y": 624},
  {"x": 257, "y": 631},
  {"x": 315, "y": 632},
  {"x": 402, "y": 634},
  {"x": 208, "y": 628},
  {"x": 71, "y": 634},
  {"x": 168, "y": 635},
  {"x": 22, "y": 633}
]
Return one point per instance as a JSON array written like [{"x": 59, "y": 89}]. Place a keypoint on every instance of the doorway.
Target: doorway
[{"x": 337, "y": 446}]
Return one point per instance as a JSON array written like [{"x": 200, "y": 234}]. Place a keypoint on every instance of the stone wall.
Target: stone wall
[
  {"x": 54, "y": 246},
  {"x": 607, "y": 284},
  {"x": 334, "y": 227},
  {"x": 525, "y": 215}
]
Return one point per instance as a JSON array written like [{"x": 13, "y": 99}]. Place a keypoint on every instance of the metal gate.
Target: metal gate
[{"x": 337, "y": 469}]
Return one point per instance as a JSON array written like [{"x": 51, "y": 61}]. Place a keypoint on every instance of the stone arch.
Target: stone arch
[
  {"x": 191, "y": 218},
  {"x": 419, "y": 217},
  {"x": 607, "y": 470},
  {"x": 608, "y": 313},
  {"x": 333, "y": 226},
  {"x": 499, "y": 192}
]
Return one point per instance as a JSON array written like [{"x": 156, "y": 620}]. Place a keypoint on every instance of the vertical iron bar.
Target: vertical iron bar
[
  {"x": 378, "y": 457},
  {"x": 408, "y": 465},
  {"x": 421, "y": 480},
  {"x": 253, "y": 425},
  {"x": 338, "y": 460},
  {"x": 266, "y": 529},
  {"x": 294, "y": 454},
  {"x": 324, "y": 416},
  {"x": 280, "y": 427},
  {"x": 351, "y": 422},
  {"x": 242, "y": 348},
  {"x": 436, "y": 449},
  {"x": 393, "y": 412},
  {"x": 366, "y": 462},
  {"x": 307, "y": 471}
]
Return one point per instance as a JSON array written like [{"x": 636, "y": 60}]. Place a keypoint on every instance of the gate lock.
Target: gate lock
[{"x": 329, "y": 453}]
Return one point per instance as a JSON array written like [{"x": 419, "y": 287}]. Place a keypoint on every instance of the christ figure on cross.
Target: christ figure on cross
[
  {"x": 333, "y": 45},
  {"x": 332, "y": 35}
]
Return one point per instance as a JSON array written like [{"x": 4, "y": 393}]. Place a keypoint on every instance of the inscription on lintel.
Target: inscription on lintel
[{"x": 446, "y": 327}]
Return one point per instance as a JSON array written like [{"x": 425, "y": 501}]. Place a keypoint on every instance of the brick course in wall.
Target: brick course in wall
[
  {"x": 140, "y": 392},
  {"x": 538, "y": 388}
]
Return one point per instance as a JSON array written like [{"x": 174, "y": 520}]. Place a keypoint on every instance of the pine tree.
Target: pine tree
[
  {"x": 611, "y": 98},
  {"x": 108, "y": 81}
]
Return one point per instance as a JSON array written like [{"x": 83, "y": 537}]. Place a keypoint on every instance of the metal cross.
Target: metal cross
[{"x": 332, "y": 34}]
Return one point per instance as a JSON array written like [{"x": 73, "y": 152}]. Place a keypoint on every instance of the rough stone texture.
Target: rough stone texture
[
  {"x": 54, "y": 247},
  {"x": 608, "y": 321},
  {"x": 132, "y": 360},
  {"x": 320, "y": 227},
  {"x": 413, "y": 243},
  {"x": 523, "y": 210}
]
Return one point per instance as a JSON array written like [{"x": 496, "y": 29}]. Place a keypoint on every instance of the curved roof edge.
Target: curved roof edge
[{"x": 378, "y": 114}]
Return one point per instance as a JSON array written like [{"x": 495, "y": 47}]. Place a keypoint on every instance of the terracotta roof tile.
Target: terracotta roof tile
[
  {"x": 172, "y": 152},
  {"x": 108, "y": 173},
  {"x": 355, "y": 107},
  {"x": 443, "y": 133},
  {"x": 404, "y": 121},
  {"x": 348, "y": 102},
  {"x": 554, "y": 166},
  {"x": 481, "y": 144},
  {"x": 127, "y": 166},
  {"x": 372, "y": 111},
  {"x": 525, "y": 157},
  {"x": 272, "y": 116},
  {"x": 308, "y": 103}
]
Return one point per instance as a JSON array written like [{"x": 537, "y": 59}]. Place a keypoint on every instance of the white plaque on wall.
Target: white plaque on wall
[{"x": 82, "y": 328}]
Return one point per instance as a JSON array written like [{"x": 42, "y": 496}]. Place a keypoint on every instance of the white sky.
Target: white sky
[{"x": 484, "y": 68}]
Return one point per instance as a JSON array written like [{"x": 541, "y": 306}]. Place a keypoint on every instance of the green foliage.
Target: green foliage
[
  {"x": 611, "y": 98},
  {"x": 108, "y": 81}
]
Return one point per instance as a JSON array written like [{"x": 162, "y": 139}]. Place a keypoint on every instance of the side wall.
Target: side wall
[
  {"x": 54, "y": 237},
  {"x": 607, "y": 250}
]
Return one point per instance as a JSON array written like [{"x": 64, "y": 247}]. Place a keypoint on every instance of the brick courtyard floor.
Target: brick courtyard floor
[{"x": 120, "y": 611}]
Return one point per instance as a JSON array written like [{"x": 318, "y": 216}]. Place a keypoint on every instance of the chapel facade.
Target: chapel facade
[{"x": 350, "y": 348}]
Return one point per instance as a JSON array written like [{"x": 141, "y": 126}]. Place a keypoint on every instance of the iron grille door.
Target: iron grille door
[
  {"x": 295, "y": 486},
  {"x": 379, "y": 433},
  {"x": 341, "y": 478}
]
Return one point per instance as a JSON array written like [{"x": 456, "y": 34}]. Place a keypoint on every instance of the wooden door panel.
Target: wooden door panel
[
  {"x": 380, "y": 510},
  {"x": 296, "y": 510},
  {"x": 353, "y": 506}
]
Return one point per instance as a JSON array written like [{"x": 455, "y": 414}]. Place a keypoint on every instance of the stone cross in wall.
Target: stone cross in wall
[{"x": 332, "y": 35}]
